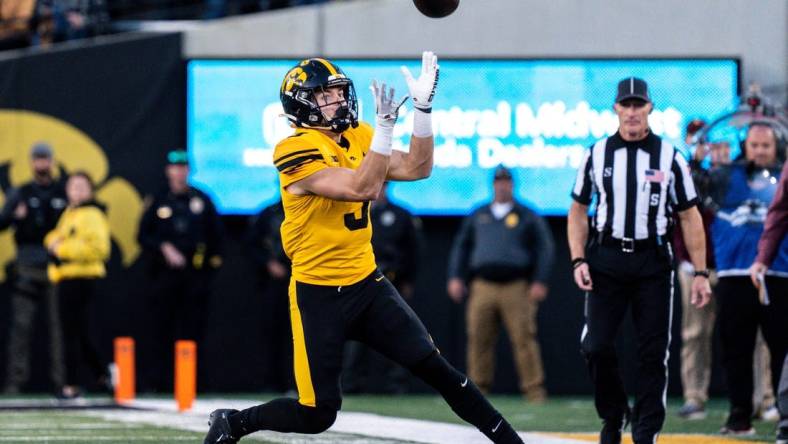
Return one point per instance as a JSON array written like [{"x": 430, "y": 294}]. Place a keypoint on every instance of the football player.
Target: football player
[{"x": 329, "y": 170}]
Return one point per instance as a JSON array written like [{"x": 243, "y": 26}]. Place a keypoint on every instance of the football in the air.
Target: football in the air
[{"x": 436, "y": 8}]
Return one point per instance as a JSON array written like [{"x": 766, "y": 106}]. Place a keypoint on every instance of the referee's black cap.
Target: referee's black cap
[{"x": 632, "y": 88}]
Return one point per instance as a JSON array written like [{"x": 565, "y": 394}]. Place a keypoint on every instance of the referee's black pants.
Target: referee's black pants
[{"x": 644, "y": 281}]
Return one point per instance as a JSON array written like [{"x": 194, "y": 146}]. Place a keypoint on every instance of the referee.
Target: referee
[{"x": 640, "y": 183}]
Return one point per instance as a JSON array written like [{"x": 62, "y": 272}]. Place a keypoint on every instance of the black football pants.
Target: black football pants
[{"x": 643, "y": 281}]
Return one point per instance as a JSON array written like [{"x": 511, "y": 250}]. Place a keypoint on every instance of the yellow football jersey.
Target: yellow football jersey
[{"x": 328, "y": 241}]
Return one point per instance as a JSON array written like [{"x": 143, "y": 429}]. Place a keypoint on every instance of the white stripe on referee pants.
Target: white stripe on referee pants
[{"x": 667, "y": 347}]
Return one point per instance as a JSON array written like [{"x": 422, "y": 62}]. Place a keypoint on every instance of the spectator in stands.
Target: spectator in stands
[
  {"x": 221, "y": 8},
  {"x": 15, "y": 23},
  {"x": 275, "y": 4},
  {"x": 265, "y": 246},
  {"x": 506, "y": 250},
  {"x": 181, "y": 235},
  {"x": 396, "y": 242},
  {"x": 78, "y": 246},
  {"x": 61, "y": 20},
  {"x": 739, "y": 194},
  {"x": 32, "y": 210}
]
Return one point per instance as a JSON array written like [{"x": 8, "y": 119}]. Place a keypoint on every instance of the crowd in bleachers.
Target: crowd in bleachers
[{"x": 25, "y": 23}]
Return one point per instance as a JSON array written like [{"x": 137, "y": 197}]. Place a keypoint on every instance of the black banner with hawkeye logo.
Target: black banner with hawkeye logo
[{"x": 111, "y": 108}]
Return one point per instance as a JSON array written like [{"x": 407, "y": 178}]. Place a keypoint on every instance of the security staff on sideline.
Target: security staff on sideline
[
  {"x": 507, "y": 251},
  {"x": 396, "y": 240},
  {"x": 264, "y": 243},
  {"x": 180, "y": 233},
  {"x": 33, "y": 210},
  {"x": 640, "y": 183}
]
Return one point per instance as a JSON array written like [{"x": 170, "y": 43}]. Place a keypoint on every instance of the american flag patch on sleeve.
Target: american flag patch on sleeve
[{"x": 655, "y": 176}]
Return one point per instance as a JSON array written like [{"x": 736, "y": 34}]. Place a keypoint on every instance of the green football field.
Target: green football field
[{"x": 570, "y": 419}]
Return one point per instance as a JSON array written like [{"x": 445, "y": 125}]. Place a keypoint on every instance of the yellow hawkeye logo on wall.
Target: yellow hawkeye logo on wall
[{"x": 73, "y": 150}]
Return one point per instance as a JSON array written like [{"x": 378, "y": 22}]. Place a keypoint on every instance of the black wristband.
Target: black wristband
[
  {"x": 705, "y": 273},
  {"x": 576, "y": 262}
]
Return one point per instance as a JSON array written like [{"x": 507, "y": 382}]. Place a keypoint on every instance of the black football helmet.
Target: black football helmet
[{"x": 298, "y": 96}]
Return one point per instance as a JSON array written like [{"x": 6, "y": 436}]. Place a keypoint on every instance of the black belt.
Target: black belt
[{"x": 628, "y": 245}]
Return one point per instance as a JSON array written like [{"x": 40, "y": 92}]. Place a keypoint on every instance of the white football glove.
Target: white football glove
[
  {"x": 386, "y": 109},
  {"x": 422, "y": 90}
]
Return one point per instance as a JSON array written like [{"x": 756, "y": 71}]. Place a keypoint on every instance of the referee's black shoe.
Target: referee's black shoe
[
  {"x": 612, "y": 430},
  {"x": 219, "y": 431}
]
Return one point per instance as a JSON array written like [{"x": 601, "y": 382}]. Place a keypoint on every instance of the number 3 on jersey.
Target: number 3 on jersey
[{"x": 353, "y": 224}]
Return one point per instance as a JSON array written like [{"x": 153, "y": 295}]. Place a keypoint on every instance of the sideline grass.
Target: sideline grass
[
  {"x": 559, "y": 415},
  {"x": 54, "y": 426},
  {"x": 556, "y": 415}
]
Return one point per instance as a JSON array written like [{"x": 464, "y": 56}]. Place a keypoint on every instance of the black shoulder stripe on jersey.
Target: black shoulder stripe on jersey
[
  {"x": 294, "y": 168},
  {"x": 298, "y": 161},
  {"x": 295, "y": 153}
]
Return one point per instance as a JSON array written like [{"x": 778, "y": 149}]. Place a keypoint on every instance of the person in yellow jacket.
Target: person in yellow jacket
[{"x": 78, "y": 247}]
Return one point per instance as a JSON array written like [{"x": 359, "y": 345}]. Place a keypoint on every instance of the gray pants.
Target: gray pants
[
  {"x": 32, "y": 290},
  {"x": 782, "y": 395}
]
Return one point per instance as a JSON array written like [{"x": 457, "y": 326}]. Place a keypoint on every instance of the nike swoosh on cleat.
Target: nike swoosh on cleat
[
  {"x": 379, "y": 279},
  {"x": 495, "y": 429},
  {"x": 464, "y": 383}
]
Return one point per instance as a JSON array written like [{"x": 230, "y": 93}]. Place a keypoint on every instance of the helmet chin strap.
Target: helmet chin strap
[{"x": 339, "y": 123}]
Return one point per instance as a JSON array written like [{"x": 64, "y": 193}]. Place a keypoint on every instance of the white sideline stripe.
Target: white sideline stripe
[
  {"x": 78, "y": 426},
  {"x": 56, "y": 438},
  {"x": 349, "y": 426}
]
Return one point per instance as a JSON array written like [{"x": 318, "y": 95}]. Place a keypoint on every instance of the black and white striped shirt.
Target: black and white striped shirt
[{"x": 638, "y": 186}]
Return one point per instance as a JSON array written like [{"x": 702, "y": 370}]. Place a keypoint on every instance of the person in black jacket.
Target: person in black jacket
[
  {"x": 32, "y": 210},
  {"x": 265, "y": 247},
  {"x": 180, "y": 233}
]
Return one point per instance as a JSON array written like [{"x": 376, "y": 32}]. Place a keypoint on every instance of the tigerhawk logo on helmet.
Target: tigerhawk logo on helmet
[{"x": 298, "y": 96}]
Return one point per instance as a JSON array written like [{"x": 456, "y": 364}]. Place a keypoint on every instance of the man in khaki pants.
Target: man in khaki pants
[{"x": 506, "y": 250}]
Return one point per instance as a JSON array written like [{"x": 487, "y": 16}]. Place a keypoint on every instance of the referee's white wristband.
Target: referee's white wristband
[
  {"x": 381, "y": 139},
  {"x": 422, "y": 123}
]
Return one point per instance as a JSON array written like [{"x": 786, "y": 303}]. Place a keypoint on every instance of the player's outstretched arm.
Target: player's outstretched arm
[
  {"x": 365, "y": 182},
  {"x": 417, "y": 163},
  {"x": 344, "y": 184}
]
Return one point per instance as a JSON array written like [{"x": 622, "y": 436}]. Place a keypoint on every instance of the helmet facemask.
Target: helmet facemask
[{"x": 344, "y": 116}]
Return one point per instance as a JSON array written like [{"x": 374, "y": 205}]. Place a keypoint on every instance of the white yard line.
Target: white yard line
[{"x": 350, "y": 427}]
